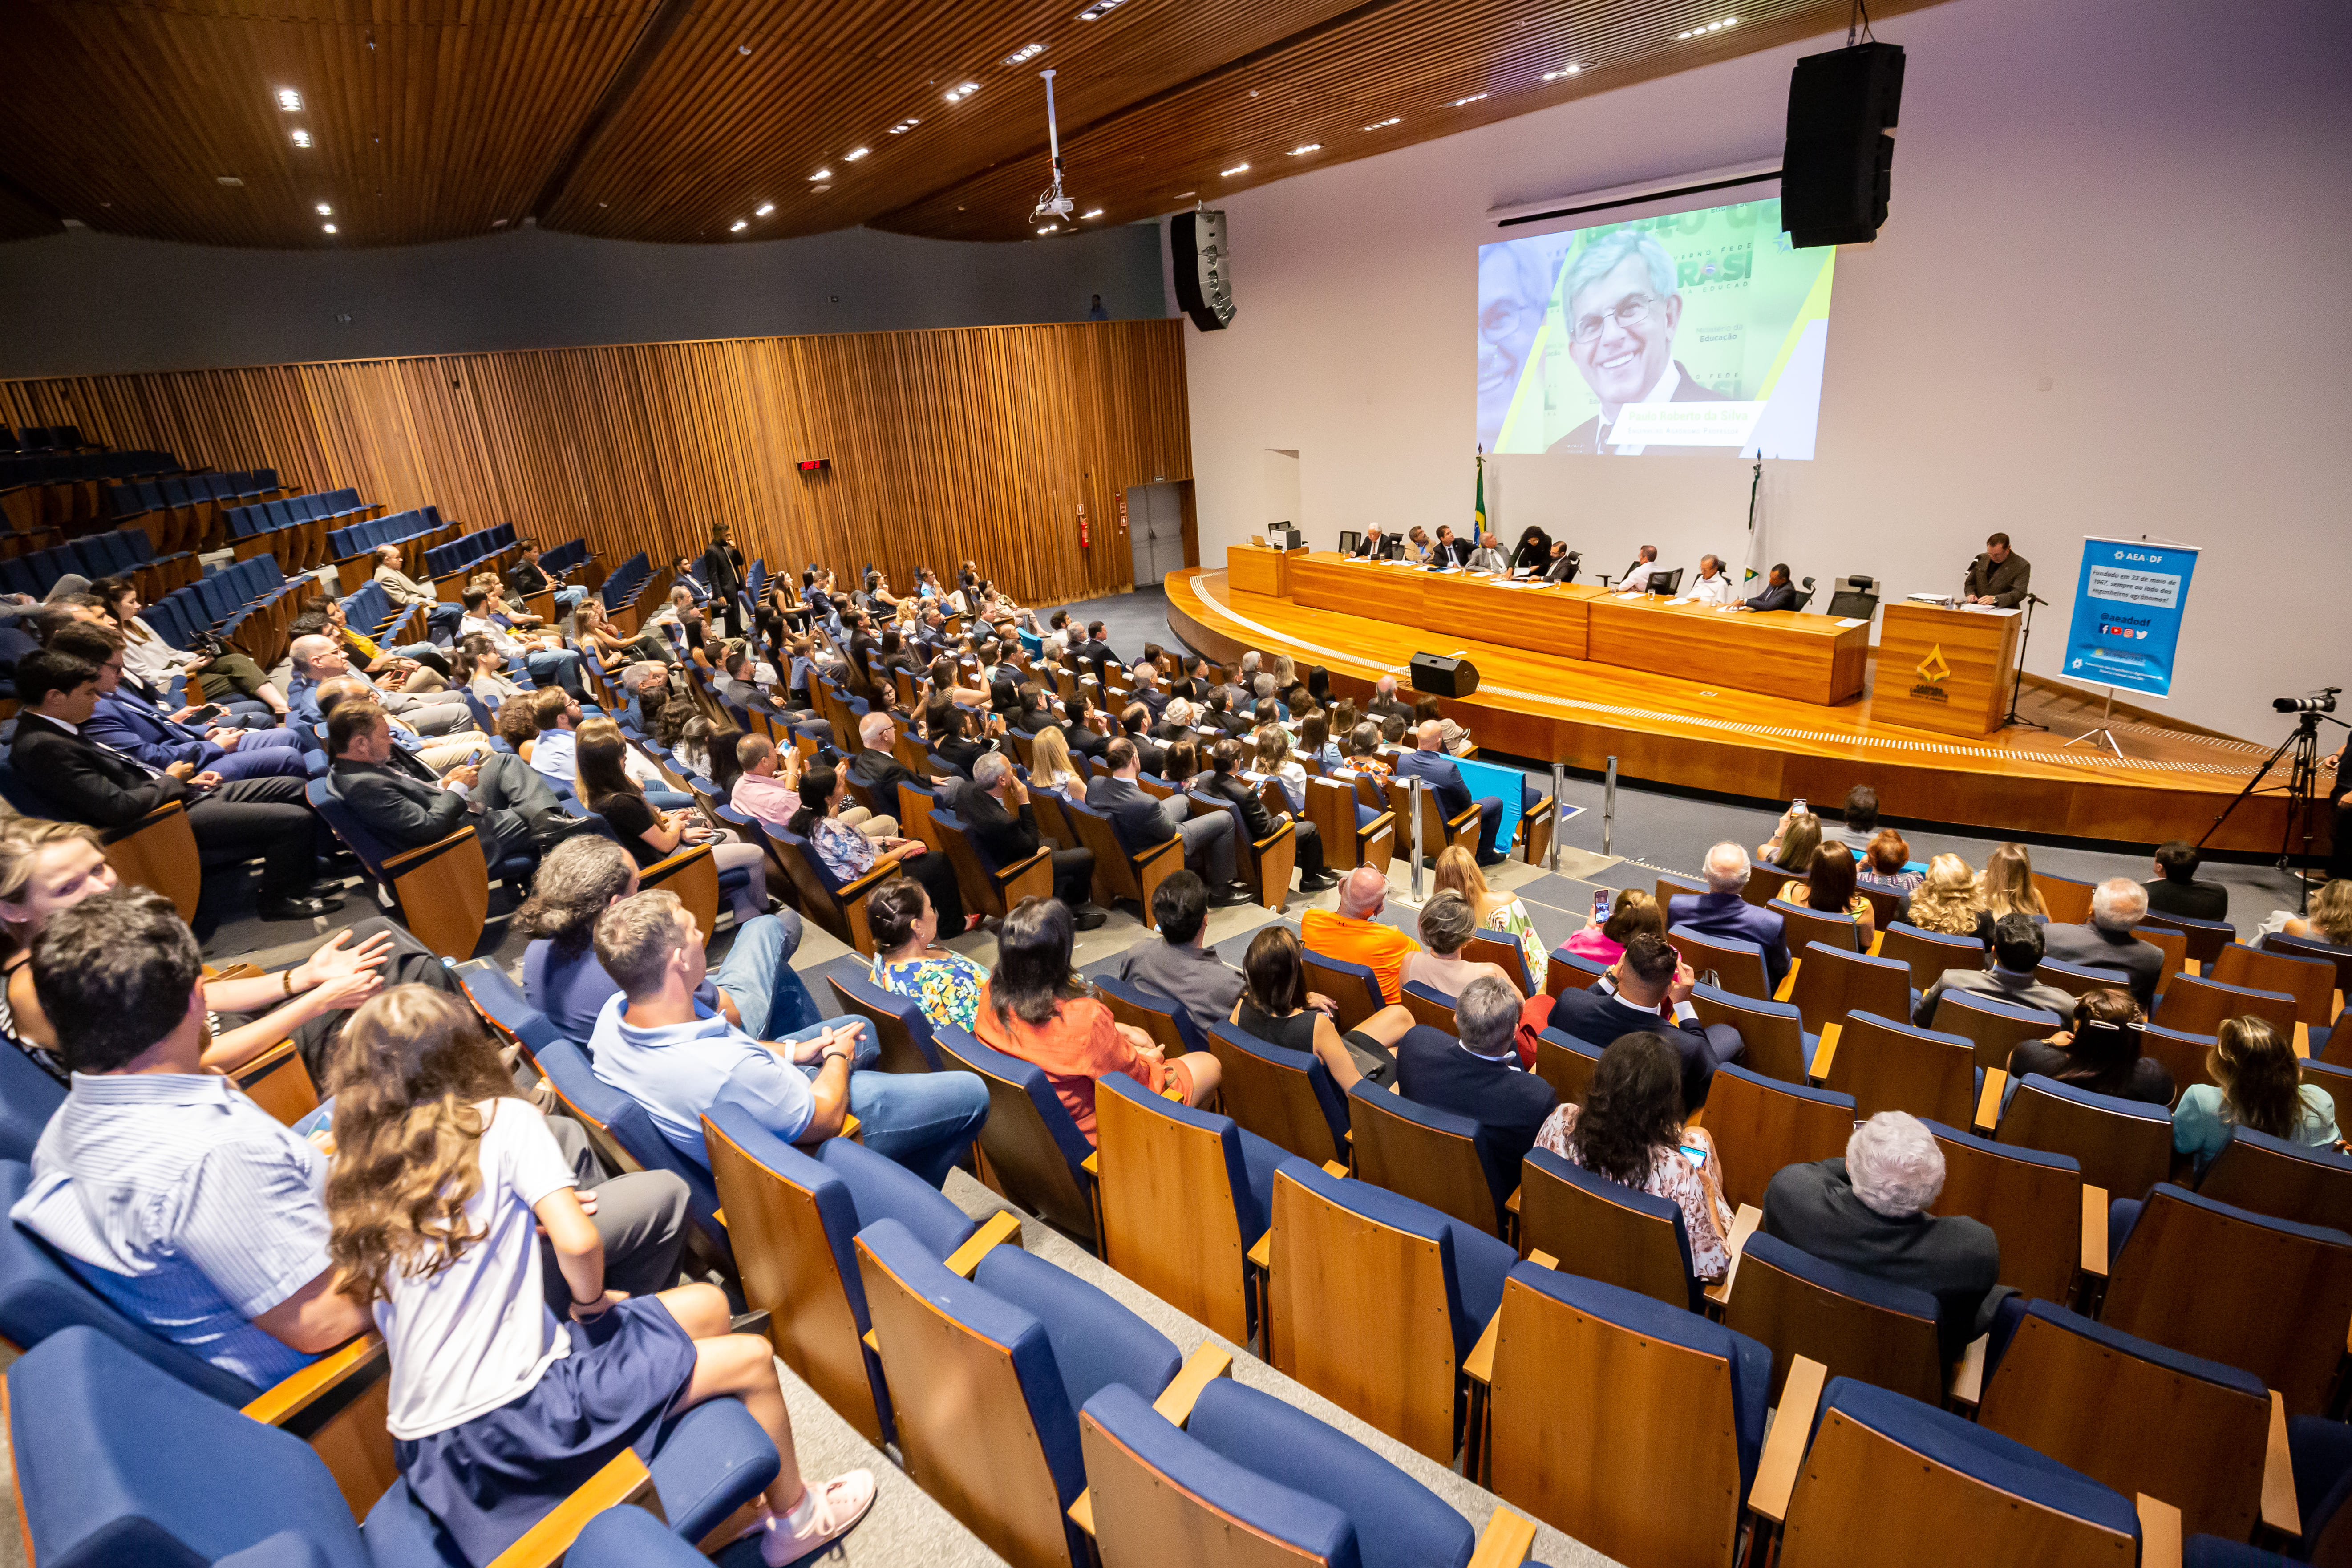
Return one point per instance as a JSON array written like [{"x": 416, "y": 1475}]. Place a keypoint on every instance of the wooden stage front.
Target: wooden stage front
[{"x": 1679, "y": 731}]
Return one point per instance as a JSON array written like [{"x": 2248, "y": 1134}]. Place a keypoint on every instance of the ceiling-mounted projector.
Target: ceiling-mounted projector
[{"x": 1051, "y": 201}]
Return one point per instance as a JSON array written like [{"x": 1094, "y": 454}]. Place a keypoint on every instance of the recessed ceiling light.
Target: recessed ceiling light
[
  {"x": 1096, "y": 212},
  {"x": 1237, "y": 169},
  {"x": 742, "y": 48},
  {"x": 904, "y": 125},
  {"x": 822, "y": 174},
  {"x": 1471, "y": 99},
  {"x": 301, "y": 137},
  {"x": 1099, "y": 9},
  {"x": 958, "y": 94},
  {"x": 1309, "y": 147},
  {"x": 289, "y": 100},
  {"x": 738, "y": 226},
  {"x": 764, "y": 209},
  {"x": 1384, "y": 124},
  {"x": 227, "y": 180},
  {"x": 328, "y": 226},
  {"x": 1024, "y": 54},
  {"x": 1565, "y": 70},
  {"x": 855, "y": 153},
  {"x": 325, "y": 211}
]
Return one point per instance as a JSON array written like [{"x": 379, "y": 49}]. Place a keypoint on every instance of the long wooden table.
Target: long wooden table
[{"x": 1807, "y": 658}]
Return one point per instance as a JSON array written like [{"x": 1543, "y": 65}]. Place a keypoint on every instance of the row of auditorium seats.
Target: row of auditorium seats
[
  {"x": 352, "y": 548},
  {"x": 483, "y": 548},
  {"x": 66, "y": 492},
  {"x": 41, "y": 438},
  {"x": 293, "y": 529},
  {"x": 249, "y": 605},
  {"x": 178, "y": 511},
  {"x": 116, "y": 552}
]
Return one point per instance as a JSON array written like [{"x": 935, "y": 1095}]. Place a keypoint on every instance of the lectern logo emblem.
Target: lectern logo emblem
[{"x": 1933, "y": 667}]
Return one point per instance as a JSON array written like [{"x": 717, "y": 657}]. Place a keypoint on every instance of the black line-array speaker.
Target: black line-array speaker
[
  {"x": 1839, "y": 163},
  {"x": 1445, "y": 677},
  {"x": 1205, "y": 290}
]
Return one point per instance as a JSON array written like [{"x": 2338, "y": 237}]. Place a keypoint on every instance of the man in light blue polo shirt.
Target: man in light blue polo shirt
[{"x": 678, "y": 1056}]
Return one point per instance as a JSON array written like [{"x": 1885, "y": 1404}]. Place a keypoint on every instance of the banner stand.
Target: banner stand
[{"x": 2102, "y": 732}]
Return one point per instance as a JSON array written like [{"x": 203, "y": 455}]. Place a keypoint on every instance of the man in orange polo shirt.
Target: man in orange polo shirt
[{"x": 1355, "y": 934}]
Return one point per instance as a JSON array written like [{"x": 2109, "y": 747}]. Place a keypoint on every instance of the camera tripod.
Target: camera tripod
[{"x": 2302, "y": 790}]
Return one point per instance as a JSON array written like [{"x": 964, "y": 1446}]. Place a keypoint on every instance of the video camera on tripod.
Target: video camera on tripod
[
  {"x": 2320, "y": 702},
  {"x": 2300, "y": 747}
]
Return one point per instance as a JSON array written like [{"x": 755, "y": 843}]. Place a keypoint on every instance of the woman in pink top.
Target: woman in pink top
[
  {"x": 1034, "y": 1008},
  {"x": 1604, "y": 940}
]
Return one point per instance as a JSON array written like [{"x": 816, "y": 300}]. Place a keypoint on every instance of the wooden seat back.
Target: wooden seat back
[
  {"x": 2309, "y": 1186},
  {"x": 1428, "y": 1006},
  {"x": 2173, "y": 942},
  {"x": 1833, "y": 981},
  {"x": 2123, "y": 1155},
  {"x": 1928, "y": 953},
  {"x": 2081, "y": 980},
  {"x": 2188, "y": 1057},
  {"x": 1272, "y": 1092},
  {"x": 1991, "y": 1028},
  {"x": 1021, "y": 1157},
  {"x": 1395, "y": 1368},
  {"x": 1505, "y": 953},
  {"x": 2313, "y": 947},
  {"x": 2238, "y": 1287},
  {"x": 1795, "y": 1316},
  {"x": 693, "y": 875},
  {"x": 1761, "y": 1125},
  {"x": 1737, "y": 970},
  {"x": 2067, "y": 899},
  {"x": 1358, "y": 994},
  {"x": 1766, "y": 883},
  {"x": 1166, "y": 1198},
  {"x": 1772, "y": 1042},
  {"x": 1670, "y": 888},
  {"x": 2309, "y": 980},
  {"x": 1597, "y": 1235},
  {"x": 2032, "y": 1201},
  {"x": 899, "y": 1050},
  {"x": 1536, "y": 824},
  {"x": 1566, "y": 1064},
  {"x": 2203, "y": 939},
  {"x": 1810, "y": 925},
  {"x": 2196, "y": 1006},
  {"x": 1427, "y": 1155},
  {"x": 1437, "y": 832},
  {"x": 2135, "y": 1423},
  {"x": 1659, "y": 1481},
  {"x": 1890, "y": 1065}
]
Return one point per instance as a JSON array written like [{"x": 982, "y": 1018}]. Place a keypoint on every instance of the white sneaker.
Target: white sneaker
[{"x": 841, "y": 1502}]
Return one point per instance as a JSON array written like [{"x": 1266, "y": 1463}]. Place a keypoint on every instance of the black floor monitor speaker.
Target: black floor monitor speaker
[
  {"x": 1838, "y": 165},
  {"x": 1204, "y": 291},
  {"x": 1445, "y": 677}
]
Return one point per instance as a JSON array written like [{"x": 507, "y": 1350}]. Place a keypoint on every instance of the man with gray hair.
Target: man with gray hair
[
  {"x": 1713, "y": 586},
  {"x": 1723, "y": 911},
  {"x": 877, "y": 771},
  {"x": 1868, "y": 1212},
  {"x": 1384, "y": 700},
  {"x": 1478, "y": 1074},
  {"x": 1620, "y": 302},
  {"x": 317, "y": 659},
  {"x": 2117, "y": 905},
  {"x": 1489, "y": 557},
  {"x": 1002, "y": 826}
]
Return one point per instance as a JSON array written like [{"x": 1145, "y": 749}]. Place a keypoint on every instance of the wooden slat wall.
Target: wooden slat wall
[{"x": 973, "y": 442}]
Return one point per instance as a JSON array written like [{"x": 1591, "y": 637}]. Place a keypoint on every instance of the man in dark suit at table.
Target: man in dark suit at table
[
  {"x": 1999, "y": 576},
  {"x": 1428, "y": 762},
  {"x": 1648, "y": 992},
  {"x": 1449, "y": 551},
  {"x": 1723, "y": 911},
  {"x": 1477, "y": 1073},
  {"x": 89, "y": 782},
  {"x": 1779, "y": 593},
  {"x": 1563, "y": 566},
  {"x": 1377, "y": 545}
]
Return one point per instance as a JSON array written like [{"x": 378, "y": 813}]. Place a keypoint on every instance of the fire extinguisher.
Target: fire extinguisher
[{"x": 1085, "y": 540}]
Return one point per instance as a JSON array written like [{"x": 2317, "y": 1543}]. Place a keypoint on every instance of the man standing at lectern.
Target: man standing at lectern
[{"x": 1999, "y": 576}]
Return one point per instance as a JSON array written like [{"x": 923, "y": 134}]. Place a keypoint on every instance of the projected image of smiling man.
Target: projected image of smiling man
[{"x": 1622, "y": 306}]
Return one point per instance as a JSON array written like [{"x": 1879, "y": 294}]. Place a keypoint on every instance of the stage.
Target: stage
[{"x": 1687, "y": 734}]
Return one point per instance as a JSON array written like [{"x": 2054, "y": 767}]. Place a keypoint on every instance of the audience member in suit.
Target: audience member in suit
[
  {"x": 401, "y": 801},
  {"x": 2176, "y": 892},
  {"x": 994, "y": 804},
  {"x": 1649, "y": 990},
  {"x": 958, "y": 737},
  {"x": 1631, "y": 1130},
  {"x": 722, "y": 569},
  {"x": 2117, "y": 905},
  {"x": 131, "y": 723},
  {"x": 1868, "y": 1212},
  {"x": 439, "y": 755},
  {"x": 1722, "y": 911},
  {"x": 2014, "y": 955},
  {"x": 1218, "y": 716},
  {"x": 1428, "y": 762},
  {"x": 875, "y": 770},
  {"x": 1779, "y": 593},
  {"x": 526, "y": 577},
  {"x": 88, "y": 781},
  {"x": 1223, "y": 781},
  {"x": 1385, "y": 703},
  {"x": 1137, "y": 721},
  {"x": 1143, "y": 821},
  {"x": 1145, "y": 680},
  {"x": 1082, "y": 737},
  {"x": 317, "y": 658},
  {"x": 1096, "y": 651},
  {"x": 1237, "y": 688},
  {"x": 2101, "y": 1053},
  {"x": 1477, "y": 1074}
]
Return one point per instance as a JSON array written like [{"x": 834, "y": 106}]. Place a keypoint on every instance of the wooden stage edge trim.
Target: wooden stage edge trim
[{"x": 2080, "y": 797}]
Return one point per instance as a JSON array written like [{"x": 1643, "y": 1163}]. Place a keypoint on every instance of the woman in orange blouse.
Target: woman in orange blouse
[{"x": 1034, "y": 1008}]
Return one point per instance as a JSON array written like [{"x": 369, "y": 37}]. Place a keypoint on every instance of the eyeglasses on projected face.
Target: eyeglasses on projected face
[{"x": 1630, "y": 311}]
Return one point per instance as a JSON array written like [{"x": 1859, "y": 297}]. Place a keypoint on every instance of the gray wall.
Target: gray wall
[{"x": 89, "y": 303}]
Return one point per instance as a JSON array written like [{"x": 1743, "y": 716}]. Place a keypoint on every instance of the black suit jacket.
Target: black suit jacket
[
  {"x": 1379, "y": 708},
  {"x": 1508, "y": 1105},
  {"x": 1783, "y": 597},
  {"x": 401, "y": 801},
  {"x": 999, "y": 834},
  {"x": 2192, "y": 899},
  {"x": 1151, "y": 754},
  {"x": 526, "y": 579},
  {"x": 1452, "y": 552},
  {"x": 1137, "y": 816},
  {"x": 881, "y": 774},
  {"x": 1084, "y": 743},
  {"x": 1255, "y": 817},
  {"x": 1956, "y": 1259},
  {"x": 86, "y": 782}
]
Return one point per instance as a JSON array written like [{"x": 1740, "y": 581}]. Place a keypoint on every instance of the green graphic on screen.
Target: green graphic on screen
[{"x": 1692, "y": 333}]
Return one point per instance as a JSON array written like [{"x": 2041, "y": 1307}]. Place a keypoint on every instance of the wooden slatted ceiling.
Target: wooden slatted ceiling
[
  {"x": 977, "y": 442},
  {"x": 434, "y": 119},
  {"x": 428, "y": 119},
  {"x": 1408, "y": 58}
]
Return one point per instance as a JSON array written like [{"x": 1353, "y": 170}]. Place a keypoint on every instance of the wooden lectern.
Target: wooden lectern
[
  {"x": 1259, "y": 569},
  {"x": 1947, "y": 671}
]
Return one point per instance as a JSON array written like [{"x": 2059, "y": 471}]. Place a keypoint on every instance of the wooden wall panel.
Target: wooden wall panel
[{"x": 978, "y": 442}]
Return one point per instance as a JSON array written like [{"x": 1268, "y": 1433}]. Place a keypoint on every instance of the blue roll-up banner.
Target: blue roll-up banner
[{"x": 2127, "y": 608}]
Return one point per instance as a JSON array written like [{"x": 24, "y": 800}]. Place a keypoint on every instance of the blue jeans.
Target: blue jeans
[
  {"x": 263, "y": 753},
  {"x": 666, "y": 799},
  {"x": 556, "y": 667},
  {"x": 924, "y": 1121},
  {"x": 568, "y": 599},
  {"x": 441, "y": 622},
  {"x": 757, "y": 974}
]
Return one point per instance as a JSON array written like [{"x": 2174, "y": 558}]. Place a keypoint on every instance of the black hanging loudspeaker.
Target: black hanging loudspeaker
[
  {"x": 1839, "y": 163},
  {"x": 1204, "y": 291}
]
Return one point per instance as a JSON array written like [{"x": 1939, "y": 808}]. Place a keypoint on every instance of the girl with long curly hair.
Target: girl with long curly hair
[{"x": 498, "y": 1411}]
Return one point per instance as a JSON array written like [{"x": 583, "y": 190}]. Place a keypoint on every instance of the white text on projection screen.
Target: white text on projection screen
[{"x": 1696, "y": 332}]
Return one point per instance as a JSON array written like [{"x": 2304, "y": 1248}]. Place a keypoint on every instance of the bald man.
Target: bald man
[{"x": 1428, "y": 762}]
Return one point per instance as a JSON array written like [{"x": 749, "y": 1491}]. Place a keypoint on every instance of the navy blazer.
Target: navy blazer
[
  {"x": 1728, "y": 915},
  {"x": 1139, "y": 817},
  {"x": 1437, "y": 770},
  {"x": 1600, "y": 1018},
  {"x": 1783, "y": 597},
  {"x": 131, "y": 723}
]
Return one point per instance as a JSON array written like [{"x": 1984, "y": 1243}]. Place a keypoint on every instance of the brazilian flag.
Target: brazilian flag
[{"x": 1479, "y": 509}]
